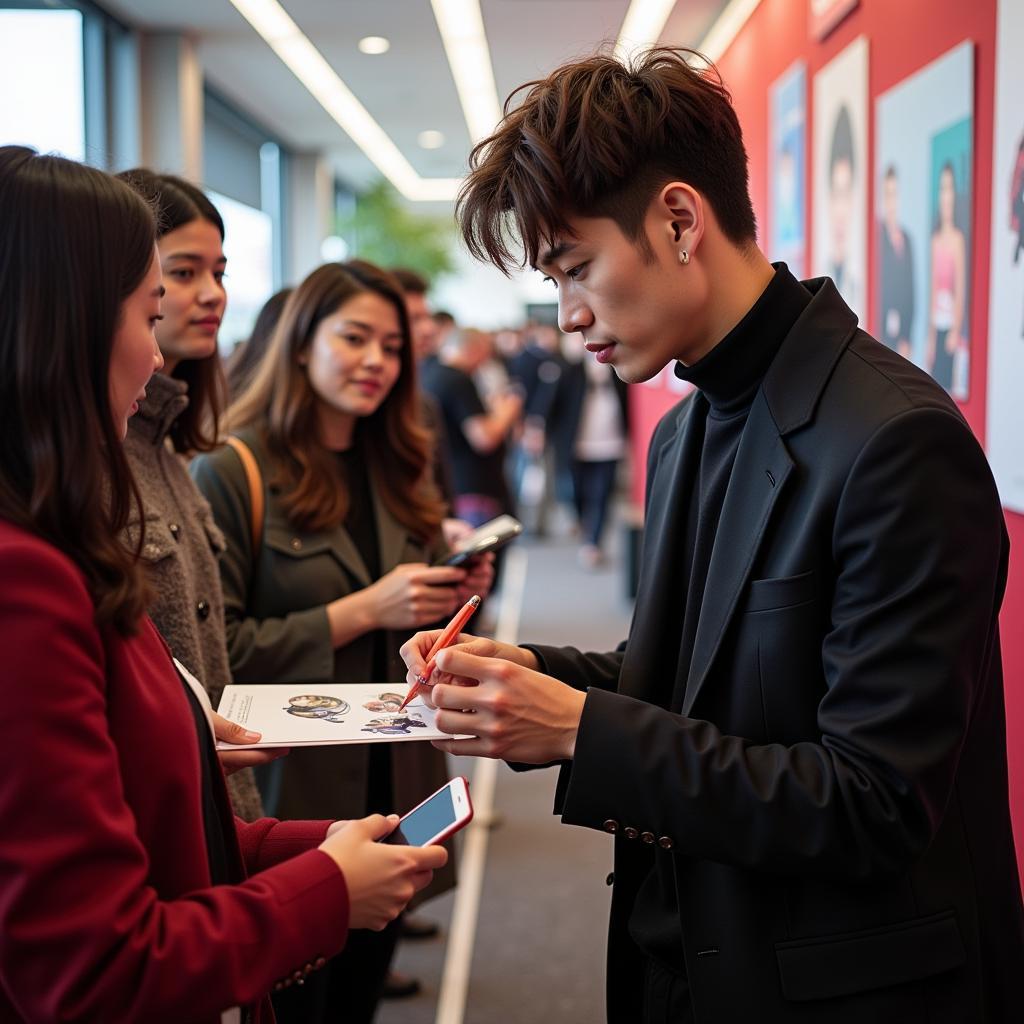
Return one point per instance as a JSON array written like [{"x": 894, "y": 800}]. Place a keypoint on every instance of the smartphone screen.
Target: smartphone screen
[{"x": 431, "y": 818}]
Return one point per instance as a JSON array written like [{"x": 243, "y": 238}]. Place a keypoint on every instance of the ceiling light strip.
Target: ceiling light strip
[
  {"x": 726, "y": 28},
  {"x": 308, "y": 65},
  {"x": 462, "y": 31},
  {"x": 642, "y": 26}
]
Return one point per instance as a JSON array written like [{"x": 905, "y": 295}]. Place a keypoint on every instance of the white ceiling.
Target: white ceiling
[{"x": 408, "y": 89}]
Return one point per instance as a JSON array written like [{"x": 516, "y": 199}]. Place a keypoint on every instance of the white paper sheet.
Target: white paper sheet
[{"x": 322, "y": 714}]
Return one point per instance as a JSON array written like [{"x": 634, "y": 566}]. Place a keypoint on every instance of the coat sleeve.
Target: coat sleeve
[
  {"x": 919, "y": 551},
  {"x": 84, "y": 936},
  {"x": 293, "y": 646},
  {"x": 267, "y": 841}
]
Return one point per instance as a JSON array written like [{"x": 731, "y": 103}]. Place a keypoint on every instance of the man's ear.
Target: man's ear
[{"x": 680, "y": 208}]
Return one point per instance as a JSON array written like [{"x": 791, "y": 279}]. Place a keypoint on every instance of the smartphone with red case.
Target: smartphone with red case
[{"x": 439, "y": 816}]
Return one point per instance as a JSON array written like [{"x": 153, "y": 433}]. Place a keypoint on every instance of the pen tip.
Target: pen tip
[{"x": 475, "y": 600}]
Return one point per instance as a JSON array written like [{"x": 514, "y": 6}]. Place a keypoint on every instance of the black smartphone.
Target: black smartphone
[{"x": 489, "y": 537}]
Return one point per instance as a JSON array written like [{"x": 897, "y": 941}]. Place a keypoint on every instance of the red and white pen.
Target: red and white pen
[{"x": 446, "y": 639}]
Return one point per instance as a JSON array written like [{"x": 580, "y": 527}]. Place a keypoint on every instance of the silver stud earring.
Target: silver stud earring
[{"x": 684, "y": 257}]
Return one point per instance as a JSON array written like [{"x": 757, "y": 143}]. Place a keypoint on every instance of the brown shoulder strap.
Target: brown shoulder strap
[{"x": 255, "y": 482}]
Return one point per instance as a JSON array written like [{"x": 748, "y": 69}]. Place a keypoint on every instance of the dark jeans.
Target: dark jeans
[
  {"x": 593, "y": 483},
  {"x": 348, "y": 989}
]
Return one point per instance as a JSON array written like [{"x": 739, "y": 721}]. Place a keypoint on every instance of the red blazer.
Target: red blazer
[{"x": 106, "y": 908}]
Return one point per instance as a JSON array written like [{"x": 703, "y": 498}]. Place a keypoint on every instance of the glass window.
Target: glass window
[
  {"x": 41, "y": 63},
  {"x": 248, "y": 246}
]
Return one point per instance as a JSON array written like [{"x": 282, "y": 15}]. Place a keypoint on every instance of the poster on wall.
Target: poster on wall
[
  {"x": 787, "y": 164},
  {"x": 1005, "y": 430},
  {"x": 840, "y": 173},
  {"x": 924, "y": 161}
]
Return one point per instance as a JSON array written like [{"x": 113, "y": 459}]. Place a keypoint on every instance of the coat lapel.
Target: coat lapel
[
  {"x": 758, "y": 478},
  {"x": 392, "y": 536},
  {"x": 785, "y": 403},
  {"x": 345, "y": 551},
  {"x": 658, "y": 596}
]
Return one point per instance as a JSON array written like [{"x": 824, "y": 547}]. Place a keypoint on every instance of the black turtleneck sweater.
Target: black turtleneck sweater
[{"x": 728, "y": 379}]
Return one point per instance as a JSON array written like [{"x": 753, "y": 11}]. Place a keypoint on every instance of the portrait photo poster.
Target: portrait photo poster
[
  {"x": 1005, "y": 428},
  {"x": 787, "y": 169},
  {"x": 924, "y": 186},
  {"x": 839, "y": 174},
  {"x": 323, "y": 714}
]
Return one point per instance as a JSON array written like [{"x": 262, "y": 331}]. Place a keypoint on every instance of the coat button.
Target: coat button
[
  {"x": 610, "y": 880},
  {"x": 175, "y": 529},
  {"x": 630, "y": 833},
  {"x": 665, "y": 843},
  {"x": 296, "y": 544},
  {"x": 647, "y": 837},
  {"x": 203, "y": 610},
  {"x": 611, "y": 825}
]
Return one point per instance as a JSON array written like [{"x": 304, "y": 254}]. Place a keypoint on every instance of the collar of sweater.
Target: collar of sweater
[{"x": 166, "y": 399}]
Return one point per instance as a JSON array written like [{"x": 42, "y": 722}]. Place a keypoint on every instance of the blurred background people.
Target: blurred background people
[
  {"x": 588, "y": 426},
  {"x": 243, "y": 362},
  {"x": 538, "y": 369},
  {"x": 477, "y": 435}
]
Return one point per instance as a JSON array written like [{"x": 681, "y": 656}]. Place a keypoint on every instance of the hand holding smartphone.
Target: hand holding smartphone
[
  {"x": 489, "y": 537},
  {"x": 438, "y": 817}
]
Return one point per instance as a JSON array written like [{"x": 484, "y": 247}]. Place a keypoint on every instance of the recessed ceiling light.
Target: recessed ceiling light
[
  {"x": 303, "y": 59},
  {"x": 374, "y": 45},
  {"x": 430, "y": 139}
]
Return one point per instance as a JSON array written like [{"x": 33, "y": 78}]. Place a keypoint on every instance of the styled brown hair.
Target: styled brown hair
[
  {"x": 394, "y": 446},
  {"x": 598, "y": 138},
  {"x": 178, "y": 202},
  {"x": 75, "y": 244}
]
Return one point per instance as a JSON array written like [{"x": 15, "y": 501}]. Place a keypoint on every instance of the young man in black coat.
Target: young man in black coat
[{"x": 800, "y": 748}]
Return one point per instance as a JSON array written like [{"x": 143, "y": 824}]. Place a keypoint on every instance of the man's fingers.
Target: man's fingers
[{"x": 460, "y": 661}]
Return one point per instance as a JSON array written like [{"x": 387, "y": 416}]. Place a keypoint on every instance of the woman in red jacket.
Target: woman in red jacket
[{"x": 127, "y": 890}]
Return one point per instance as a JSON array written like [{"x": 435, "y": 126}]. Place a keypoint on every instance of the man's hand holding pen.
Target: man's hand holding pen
[{"x": 494, "y": 692}]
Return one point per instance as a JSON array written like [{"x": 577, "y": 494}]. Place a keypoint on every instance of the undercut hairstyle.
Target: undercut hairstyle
[
  {"x": 393, "y": 444},
  {"x": 76, "y": 243},
  {"x": 178, "y": 202},
  {"x": 412, "y": 282},
  {"x": 598, "y": 138}
]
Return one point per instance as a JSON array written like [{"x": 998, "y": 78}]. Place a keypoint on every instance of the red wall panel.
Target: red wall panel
[{"x": 903, "y": 38}]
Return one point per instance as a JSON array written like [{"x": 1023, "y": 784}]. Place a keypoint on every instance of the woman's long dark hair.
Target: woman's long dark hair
[
  {"x": 178, "y": 202},
  {"x": 75, "y": 244},
  {"x": 395, "y": 446}
]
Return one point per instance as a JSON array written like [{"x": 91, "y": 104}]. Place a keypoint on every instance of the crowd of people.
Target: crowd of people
[
  {"x": 800, "y": 748},
  {"x": 377, "y": 434}
]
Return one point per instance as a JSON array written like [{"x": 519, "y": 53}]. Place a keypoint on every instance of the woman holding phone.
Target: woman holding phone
[
  {"x": 339, "y": 571},
  {"x": 129, "y": 892}
]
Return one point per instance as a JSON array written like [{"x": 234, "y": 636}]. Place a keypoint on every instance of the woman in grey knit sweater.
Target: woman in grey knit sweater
[{"x": 177, "y": 418}]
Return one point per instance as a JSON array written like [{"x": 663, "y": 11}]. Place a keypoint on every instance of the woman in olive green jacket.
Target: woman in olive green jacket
[{"x": 339, "y": 572}]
